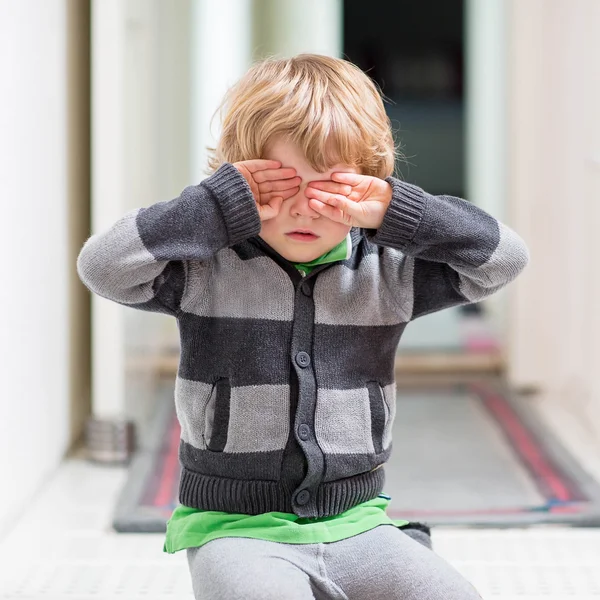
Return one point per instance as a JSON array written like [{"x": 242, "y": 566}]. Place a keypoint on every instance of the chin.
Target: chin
[{"x": 300, "y": 257}]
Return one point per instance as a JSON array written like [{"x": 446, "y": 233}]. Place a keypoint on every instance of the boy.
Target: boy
[{"x": 292, "y": 272}]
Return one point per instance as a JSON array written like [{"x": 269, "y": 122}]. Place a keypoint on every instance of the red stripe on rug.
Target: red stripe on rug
[
  {"x": 524, "y": 443},
  {"x": 164, "y": 494},
  {"x": 405, "y": 514}
]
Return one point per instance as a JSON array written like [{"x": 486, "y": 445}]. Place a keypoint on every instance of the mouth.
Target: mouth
[{"x": 303, "y": 235}]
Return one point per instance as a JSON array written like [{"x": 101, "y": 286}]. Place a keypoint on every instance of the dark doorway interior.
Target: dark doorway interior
[{"x": 414, "y": 51}]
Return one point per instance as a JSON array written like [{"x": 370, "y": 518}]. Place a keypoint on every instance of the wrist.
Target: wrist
[
  {"x": 386, "y": 199},
  {"x": 403, "y": 215}
]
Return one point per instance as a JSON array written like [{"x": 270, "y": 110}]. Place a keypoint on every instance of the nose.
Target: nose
[{"x": 300, "y": 206}]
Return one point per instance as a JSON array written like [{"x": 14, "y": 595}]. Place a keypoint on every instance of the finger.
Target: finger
[
  {"x": 335, "y": 214},
  {"x": 332, "y": 187},
  {"x": 349, "y": 178},
  {"x": 273, "y": 174},
  {"x": 270, "y": 210},
  {"x": 334, "y": 200},
  {"x": 285, "y": 194},
  {"x": 259, "y": 164},
  {"x": 280, "y": 184}
]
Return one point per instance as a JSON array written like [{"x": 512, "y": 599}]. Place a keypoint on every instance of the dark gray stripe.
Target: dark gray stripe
[
  {"x": 177, "y": 237},
  {"x": 243, "y": 465},
  {"x": 247, "y": 351},
  {"x": 346, "y": 357},
  {"x": 343, "y": 357},
  {"x": 436, "y": 286},
  {"x": 339, "y": 466},
  {"x": 168, "y": 288},
  {"x": 465, "y": 235},
  {"x": 218, "y": 212}
]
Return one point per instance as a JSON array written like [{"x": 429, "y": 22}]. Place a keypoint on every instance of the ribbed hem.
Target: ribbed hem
[
  {"x": 235, "y": 198},
  {"x": 249, "y": 497},
  {"x": 403, "y": 215},
  {"x": 254, "y": 497},
  {"x": 335, "y": 497}
]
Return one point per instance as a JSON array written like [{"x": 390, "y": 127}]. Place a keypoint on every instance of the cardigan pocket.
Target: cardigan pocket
[
  {"x": 216, "y": 420},
  {"x": 378, "y": 414}
]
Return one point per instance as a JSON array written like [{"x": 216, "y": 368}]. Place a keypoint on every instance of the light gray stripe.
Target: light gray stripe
[
  {"x": 245, "y": 289},
  {"x": 191, "y": 400},
  {"x": 259, "y": 418},
  {"x": 115, "y": 263},
  {"x": 507, "y": 261},
  {"x": 379, "y": 292},
  {"x": 258, "y": 415},
  {"x": 343, "y": 421}
]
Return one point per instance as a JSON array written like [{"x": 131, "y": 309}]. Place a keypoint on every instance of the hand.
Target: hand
[
  {"x": 351, "y": 199},
  {"x": 270, "y": 184}
]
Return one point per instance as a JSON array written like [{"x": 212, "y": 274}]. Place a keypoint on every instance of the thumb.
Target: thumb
[{"x": 269, "y": 210}]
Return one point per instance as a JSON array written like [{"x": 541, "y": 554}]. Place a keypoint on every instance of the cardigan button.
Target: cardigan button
[
  {"x": 306, "y": 289},
  {"x": 302, "y": 359},
  {"x": 302, "y": 497},
  {"x": 304, "y": 431}
]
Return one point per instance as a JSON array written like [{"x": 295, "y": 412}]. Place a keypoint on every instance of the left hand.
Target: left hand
[{"x": 351, "y": 199}]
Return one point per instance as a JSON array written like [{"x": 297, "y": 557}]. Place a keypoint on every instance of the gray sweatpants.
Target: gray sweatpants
[{"x": 381, "y": 564}]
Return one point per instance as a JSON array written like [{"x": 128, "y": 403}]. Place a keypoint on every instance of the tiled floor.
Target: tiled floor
[{"x": 64, "y": 548}]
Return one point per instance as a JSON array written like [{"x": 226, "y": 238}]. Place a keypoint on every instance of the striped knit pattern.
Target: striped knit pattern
[{"x": 285, "y": 390}]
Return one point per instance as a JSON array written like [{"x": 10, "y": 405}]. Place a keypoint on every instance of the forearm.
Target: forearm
[
  {"x": 148, "y": 248},
  {"x": 485, "y": 253}
]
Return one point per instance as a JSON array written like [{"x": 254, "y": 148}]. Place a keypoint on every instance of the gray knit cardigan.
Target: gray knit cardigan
[{"x": 285, "y": 390}]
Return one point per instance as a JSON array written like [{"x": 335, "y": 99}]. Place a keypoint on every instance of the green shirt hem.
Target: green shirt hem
[{"x": 190, "y": 527}]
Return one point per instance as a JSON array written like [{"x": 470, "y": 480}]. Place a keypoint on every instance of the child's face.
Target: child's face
[{"x": 296, "y": 213}]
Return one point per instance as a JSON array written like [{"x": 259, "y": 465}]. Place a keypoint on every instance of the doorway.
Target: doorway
[{"x": 415, "y": 52}]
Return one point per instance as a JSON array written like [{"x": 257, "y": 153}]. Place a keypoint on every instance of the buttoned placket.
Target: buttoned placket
[{"x": 304, "y": 496}]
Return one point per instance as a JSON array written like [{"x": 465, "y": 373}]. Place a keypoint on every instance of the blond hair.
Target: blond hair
[{"x": 327, "y": 106}]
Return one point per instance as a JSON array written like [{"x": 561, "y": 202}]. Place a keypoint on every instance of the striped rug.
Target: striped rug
[{"x": 463, "y": 455}]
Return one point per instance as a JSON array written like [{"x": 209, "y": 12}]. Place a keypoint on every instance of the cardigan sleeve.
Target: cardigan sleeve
[
  {"x": 455, "y": 252},
  {"x": 143, "y": 259}
]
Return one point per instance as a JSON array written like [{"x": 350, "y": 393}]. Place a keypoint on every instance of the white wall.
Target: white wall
[
  {"x": 34, "y": 304},
  {"x": 487, "y": 45},
  {"x": 286, "y": 28},
  {"x": 140, "y": 122},
  {"x": 222, "y": 29},
  {"x": 555, "y": 200}
]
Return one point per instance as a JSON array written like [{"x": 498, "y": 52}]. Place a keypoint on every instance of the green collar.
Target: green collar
[{"x": 340, "y": 252}]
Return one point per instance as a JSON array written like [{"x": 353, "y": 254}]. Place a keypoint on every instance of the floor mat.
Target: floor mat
[{"x": 465, "y": 455}]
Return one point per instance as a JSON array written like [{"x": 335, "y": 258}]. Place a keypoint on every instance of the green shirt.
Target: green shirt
[
  {"x": 340, "y": 252},
  {"x": 190, "y": 527}
]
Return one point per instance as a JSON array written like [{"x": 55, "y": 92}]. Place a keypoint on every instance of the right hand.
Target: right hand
[{"x": 270, "y": 184}]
